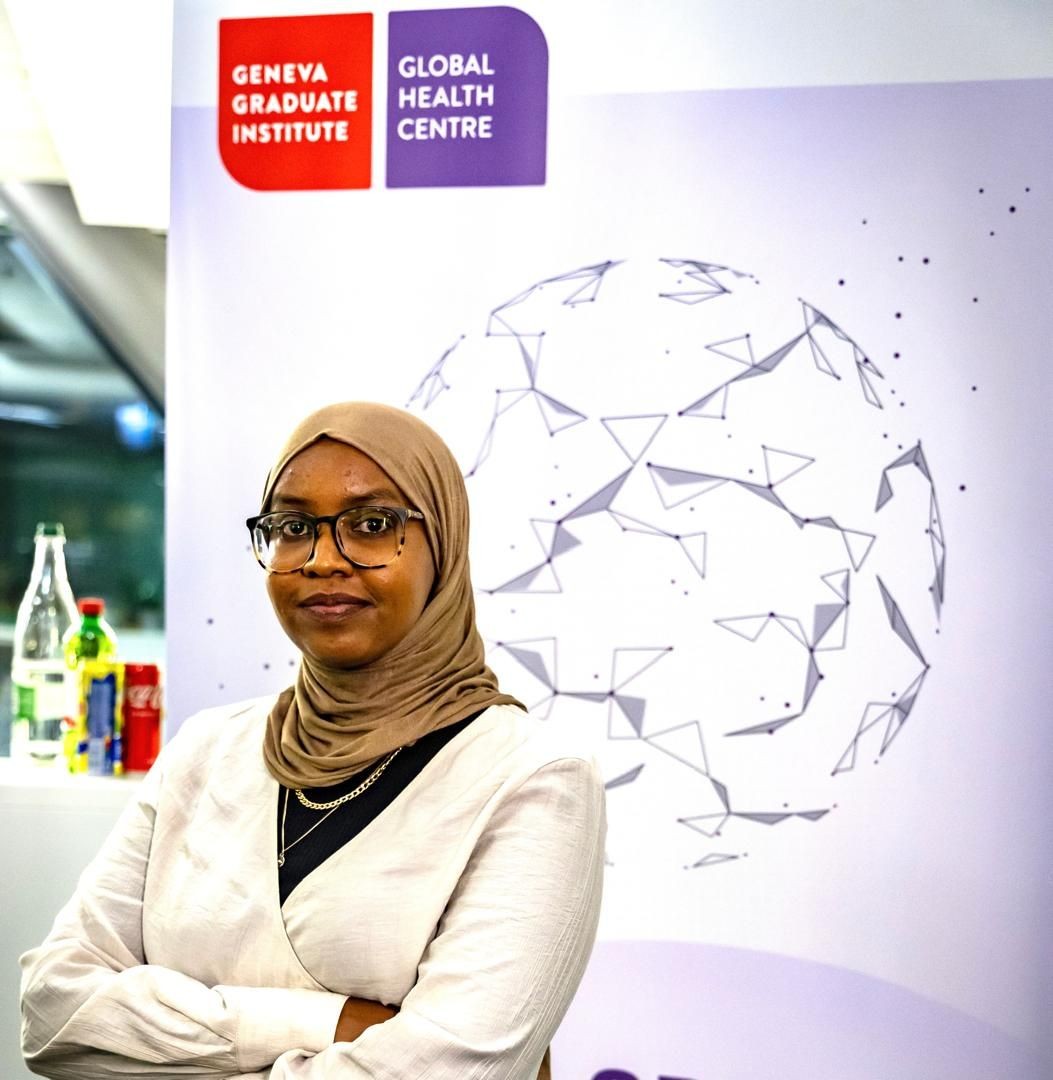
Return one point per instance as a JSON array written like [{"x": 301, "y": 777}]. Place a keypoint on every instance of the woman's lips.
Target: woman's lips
[{"x": 333, "y": 605}]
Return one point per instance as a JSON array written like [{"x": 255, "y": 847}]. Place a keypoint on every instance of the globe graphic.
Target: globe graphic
[{"x": 700, "y": 540}]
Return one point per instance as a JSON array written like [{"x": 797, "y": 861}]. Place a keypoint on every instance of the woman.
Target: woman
[{"x": 390, "y": 871}]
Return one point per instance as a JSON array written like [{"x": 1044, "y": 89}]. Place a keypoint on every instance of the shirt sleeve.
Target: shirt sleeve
[
  {"x": 509, "y": 952},
  {"x": 92, "y": 1008}
]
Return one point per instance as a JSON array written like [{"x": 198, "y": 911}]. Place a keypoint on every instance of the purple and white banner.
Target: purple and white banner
[{"x": 749, "y": 386}]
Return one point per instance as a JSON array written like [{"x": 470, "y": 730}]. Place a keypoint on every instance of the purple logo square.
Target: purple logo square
[{"x": 467, "y": 98}]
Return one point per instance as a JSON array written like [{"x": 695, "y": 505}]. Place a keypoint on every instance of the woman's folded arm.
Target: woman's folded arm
[
  {"x": 93, "y": 1009},
  {"x": 509, "y": 953}
]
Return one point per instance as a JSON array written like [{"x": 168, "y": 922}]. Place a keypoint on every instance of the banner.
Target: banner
[{"x": 749, "y": 389}]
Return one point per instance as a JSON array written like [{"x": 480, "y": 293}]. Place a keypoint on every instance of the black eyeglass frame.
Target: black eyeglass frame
[{"x": 404, "y": 514}]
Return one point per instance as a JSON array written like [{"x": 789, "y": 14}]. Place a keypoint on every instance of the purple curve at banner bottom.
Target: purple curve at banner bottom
[{"x": 684, "y": 1011}]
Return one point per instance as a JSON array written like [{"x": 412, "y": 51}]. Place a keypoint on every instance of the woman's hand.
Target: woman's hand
[{"x": 357, "y": 1015}]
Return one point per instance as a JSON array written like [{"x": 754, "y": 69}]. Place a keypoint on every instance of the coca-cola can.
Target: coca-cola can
[{"x": 141, "y": 733}]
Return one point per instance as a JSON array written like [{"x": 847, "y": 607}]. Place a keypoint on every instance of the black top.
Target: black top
[{"x": 352, "y": 817}]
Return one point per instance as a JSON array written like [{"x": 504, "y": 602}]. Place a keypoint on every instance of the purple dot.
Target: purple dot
[
  {"x": 981, "y": 191},
  {"x": 1012, "y": 209},
  {"x": 210, "y": 620},
  {"x": 974, "y": 387},
  {"x": 991, "y": 233},
  {"x": 899, "y": 314},
  {"x": 841, "y": 281},
  {"x": 899, "y": 259},
  {"x": 961, "y": 487},
  {"x": 895, "y": 356},
  {"x": 925, "y": 261}
]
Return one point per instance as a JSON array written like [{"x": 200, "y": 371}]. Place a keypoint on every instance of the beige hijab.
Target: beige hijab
[{"x": 333, "y": 723}]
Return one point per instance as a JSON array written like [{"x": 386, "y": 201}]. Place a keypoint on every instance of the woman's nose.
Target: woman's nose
[{"x": 327, "y": 557}]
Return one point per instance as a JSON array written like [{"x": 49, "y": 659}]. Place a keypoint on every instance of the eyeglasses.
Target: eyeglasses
[{"x": 367, "y": 536}]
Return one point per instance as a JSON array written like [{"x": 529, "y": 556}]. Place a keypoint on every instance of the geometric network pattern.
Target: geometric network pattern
[
  {"x": 915, "y": 457},
  {"x": 684, "y": 743},
  {"x": 543, "y": 370}
]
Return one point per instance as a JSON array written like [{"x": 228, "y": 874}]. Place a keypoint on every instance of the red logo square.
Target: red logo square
[{"x": 296, "y": 101}]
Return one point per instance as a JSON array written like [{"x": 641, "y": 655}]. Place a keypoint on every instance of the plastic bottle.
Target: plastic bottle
[
  {"x": 39, "y": 676},
  {"x": 93, "y": 639}
]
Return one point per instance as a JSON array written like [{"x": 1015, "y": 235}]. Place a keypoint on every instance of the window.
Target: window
[{"x": 80, "y": 444}]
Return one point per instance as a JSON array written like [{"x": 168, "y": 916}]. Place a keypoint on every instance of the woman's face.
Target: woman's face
[{"x": 335, "y": 613}]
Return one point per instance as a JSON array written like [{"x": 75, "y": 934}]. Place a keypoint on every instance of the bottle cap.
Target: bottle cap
[
  {"x": 141, "y": 675},
  {"x": 91, "y": 605},
  {"x": 50, "y": 528}
]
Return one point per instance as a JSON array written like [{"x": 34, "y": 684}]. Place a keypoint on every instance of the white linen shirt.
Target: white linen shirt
[{"x": 470, "y": 902}]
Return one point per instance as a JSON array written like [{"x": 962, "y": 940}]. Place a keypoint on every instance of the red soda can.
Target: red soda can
[{"x": 141, "y": 713}]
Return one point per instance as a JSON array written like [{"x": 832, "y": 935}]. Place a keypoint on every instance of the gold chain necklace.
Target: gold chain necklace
[
  {"x": 330, "y": 806},
  {"x": 369, "y": 781}
]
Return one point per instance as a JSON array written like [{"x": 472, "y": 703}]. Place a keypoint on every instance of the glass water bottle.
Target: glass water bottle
[{"x": 38, "y": 670}]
